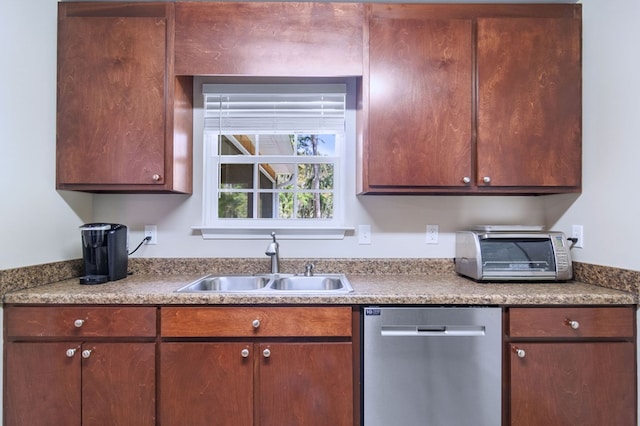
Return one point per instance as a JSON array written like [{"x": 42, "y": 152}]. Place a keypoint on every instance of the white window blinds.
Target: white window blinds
[{"x": 274, "y": 108}]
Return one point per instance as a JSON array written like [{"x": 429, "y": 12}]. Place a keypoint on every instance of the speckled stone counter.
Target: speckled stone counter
[{"x": 378, "y": 289}]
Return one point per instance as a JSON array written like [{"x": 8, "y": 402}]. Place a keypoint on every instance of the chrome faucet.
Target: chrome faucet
[{"x": 273, "y": 250}]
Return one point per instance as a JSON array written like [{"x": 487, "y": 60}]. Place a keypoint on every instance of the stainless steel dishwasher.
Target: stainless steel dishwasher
[{"x": 436, "y": 366}]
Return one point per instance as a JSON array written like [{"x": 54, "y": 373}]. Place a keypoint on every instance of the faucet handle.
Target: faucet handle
[{"x": 308, "y": 269}]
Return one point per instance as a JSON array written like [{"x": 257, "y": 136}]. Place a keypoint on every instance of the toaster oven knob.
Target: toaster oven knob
[
  {"x": 466, "y": 180},
  {"x": 486, "y": 179},
  {"x": 573, "y": 324}
]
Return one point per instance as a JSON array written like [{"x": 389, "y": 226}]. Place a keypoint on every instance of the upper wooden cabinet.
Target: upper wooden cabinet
[
  {"x": 472, "y": 99},
  {"x": 124, "y": 122},
  {"x": 269, "y": 39}
]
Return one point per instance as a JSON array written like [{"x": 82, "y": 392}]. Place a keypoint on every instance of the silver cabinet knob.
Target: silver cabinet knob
[
  {"x": 244, "y": 353},
  {"x": 466, "y": 180},
  {"x": 255, "y": 323},
  {"x": 86, "y": 353},
  {"x": 78, "y": 323},
  {"x": 573, "y": 324},
  {"x": 156, "y": 177},
  {"x": 519, "y": 352},
  {"x": 266, "y": 353},
  {"x": 71, "y": 352},
  {"x": 486, "y": 179}
]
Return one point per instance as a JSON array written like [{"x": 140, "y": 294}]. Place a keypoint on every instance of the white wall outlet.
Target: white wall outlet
[
  {"x": 432, "y": 234},
  {"x": 151, "y": 231},
  {"x": 577, "y": 231},
  {"x": 364, "y": 234}
]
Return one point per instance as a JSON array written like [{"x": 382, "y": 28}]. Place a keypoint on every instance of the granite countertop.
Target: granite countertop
[{"x": 378, "y": 289}]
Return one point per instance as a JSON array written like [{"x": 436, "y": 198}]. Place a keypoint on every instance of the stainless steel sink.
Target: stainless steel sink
[
  {"x": 271, "y": 283},
  {"x": 228, "y": 283},
  {"x": 315, "y": 283}
]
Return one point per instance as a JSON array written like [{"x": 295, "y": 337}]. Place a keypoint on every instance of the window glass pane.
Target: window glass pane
[
  {"x": 324, "y": 145},
  {"x": 265, "y": 205},
  {"x": 315, "y": 176},
  {"x": 236, "y": 176},
  {"x": 285, "y": 205},
  {"x": 314, "y": 205},
  {"x": 235, "y": 205}
]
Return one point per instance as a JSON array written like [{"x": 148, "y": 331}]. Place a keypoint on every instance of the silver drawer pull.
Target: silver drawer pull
[
  {"x": 255, "y": 323},
  {"x": 244, "y": 353},
  {"x": 572, "y": 323},
  {"x": 519, "y": 352},
  {"x": 71, "y": 352},
  {"x": 266, "y": 353},
  {"x": 78, "y": 323},
  {"x": 86, "y": 353}
]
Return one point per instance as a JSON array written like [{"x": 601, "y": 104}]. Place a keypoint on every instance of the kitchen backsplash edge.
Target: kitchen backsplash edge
[{"x": 33, "y": 276}]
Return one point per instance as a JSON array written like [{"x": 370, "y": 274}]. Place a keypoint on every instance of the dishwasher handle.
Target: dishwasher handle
[{"x": 432, "y": 330}]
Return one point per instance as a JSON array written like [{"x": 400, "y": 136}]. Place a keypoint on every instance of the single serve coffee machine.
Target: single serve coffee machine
[{"x": 104, "y": 251}]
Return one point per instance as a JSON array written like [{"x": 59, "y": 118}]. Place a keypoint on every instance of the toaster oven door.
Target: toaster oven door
[{"x": 517, "y": 257}]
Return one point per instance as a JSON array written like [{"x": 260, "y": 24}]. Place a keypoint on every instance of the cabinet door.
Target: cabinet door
[
  {"x": 573, "y": 384},
  {"x": 206, "y": 384},
  {"x": 111, "y": 100},
  {"x": 118, "y": 384},
  {"x": 420, "y": 91},
  {"x": 529, "y": 102},
  {"x": 42, "y": 384},
  {"x": 304, "y": 384}
]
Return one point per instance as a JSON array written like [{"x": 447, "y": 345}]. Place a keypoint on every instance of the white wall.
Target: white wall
[
  {"x": 37, "y": 224},
  {"x": 609, "y": 207},
  {"x": 40, "y": 224}
]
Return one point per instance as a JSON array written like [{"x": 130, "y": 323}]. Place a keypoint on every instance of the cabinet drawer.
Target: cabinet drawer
[
  {"x": 571, "y": 322},
  {"x": 81, "y": 321},
  {"x": 255, "y": 321}
]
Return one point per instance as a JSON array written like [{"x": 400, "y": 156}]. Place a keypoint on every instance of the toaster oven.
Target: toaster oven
[{"x": 513, "y": 255}]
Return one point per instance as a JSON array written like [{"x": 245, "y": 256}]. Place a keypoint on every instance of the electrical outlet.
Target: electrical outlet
[
  {"x": 577, "y": 231},
  {"x": 364, "y": 234},
  {"x": 432, "y": 234},
  {"x": 151, "y": 231}
]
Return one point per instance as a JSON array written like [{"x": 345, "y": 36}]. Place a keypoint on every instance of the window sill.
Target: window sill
[{"x": 263, "y": 233}]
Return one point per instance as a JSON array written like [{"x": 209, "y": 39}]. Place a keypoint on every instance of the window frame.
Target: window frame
[{"x": 288, "y": 228}]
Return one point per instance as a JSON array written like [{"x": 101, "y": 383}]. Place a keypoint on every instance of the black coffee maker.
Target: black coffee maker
[{"x": 104, "y": 251}]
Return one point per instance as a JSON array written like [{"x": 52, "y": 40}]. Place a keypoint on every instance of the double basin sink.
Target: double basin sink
[{"x": 270, "y": 283}]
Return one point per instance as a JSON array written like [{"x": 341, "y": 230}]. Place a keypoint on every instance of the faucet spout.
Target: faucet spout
[{"x": 273, "y": 250}]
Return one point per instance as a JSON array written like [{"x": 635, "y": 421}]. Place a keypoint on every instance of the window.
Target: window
[{"x": 274, "y": 156}]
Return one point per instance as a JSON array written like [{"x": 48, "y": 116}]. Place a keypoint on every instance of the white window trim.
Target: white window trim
[{"x": 286, "y": 229}]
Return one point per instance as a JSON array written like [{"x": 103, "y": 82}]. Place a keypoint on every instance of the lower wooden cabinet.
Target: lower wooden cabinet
[
  {"x": 265, "y": 374},
  {"x": 80, "y": 366},
  {"x": 571, "y": 366}
]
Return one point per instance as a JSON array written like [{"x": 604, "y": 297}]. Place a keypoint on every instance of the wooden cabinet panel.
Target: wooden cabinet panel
[
  {"x": 118, "y": 384},
  {"x": 121, "y": 119},
  {"x": 590, "y": 383},
  {"x": 610, "y": 322},
  {"x": 206, "y": 383},
  {"x": 461, "y": 99},
  {"x": 269, "y": 39},
  {"x": 420, "y": 102},
  {"x": 32, "y": 321},
  {"x": 529, "y": 102},
  {"x": 305, "y": 384},
  {"x": 239, "y": 322},
  {"x": 42, "y": 385}
]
